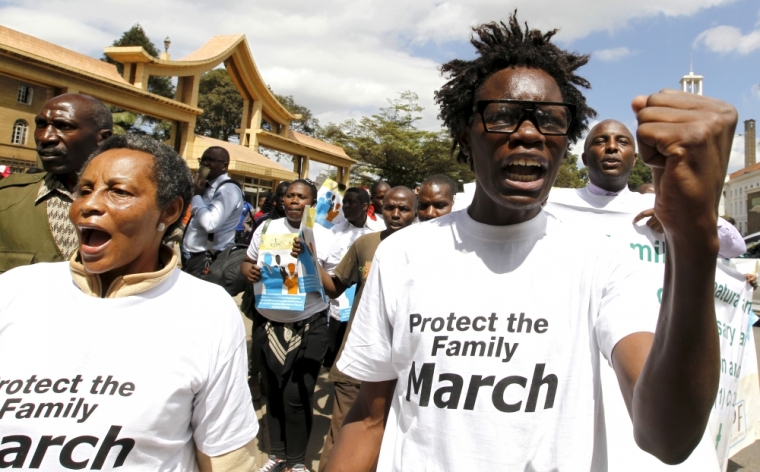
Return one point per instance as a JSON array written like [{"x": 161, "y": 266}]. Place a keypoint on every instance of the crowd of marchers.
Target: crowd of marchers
[{"x": 104, "y": 257}]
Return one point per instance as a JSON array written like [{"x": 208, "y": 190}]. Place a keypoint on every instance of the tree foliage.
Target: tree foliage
[
  {"x": 133, "y": 123},
  {"x": 640, "y": 174},
  {"x": 221, "y": 103},
  {"x": 123, "y": 122},
  {"x": 307, "y": 124},
  {"x": 135, "y": 36},
  {"x": 388, "y": 146},
  {"x": 569, "y": 176}
]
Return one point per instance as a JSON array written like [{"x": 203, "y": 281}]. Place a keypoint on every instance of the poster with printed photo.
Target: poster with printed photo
[
  {"x": 329, "y": 210},
  {"x": 308, "y": 273},
  {"x": 279, "y": 287}
]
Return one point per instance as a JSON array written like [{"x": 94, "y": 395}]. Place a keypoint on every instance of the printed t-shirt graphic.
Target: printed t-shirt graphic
[
  {"x": 128, "y": 383},
  {"x": 503, "y": 363},
  {"x": 612, "y": 216}
]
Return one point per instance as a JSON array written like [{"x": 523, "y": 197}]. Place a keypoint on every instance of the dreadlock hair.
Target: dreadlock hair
[{"x": 500, "y": 46}]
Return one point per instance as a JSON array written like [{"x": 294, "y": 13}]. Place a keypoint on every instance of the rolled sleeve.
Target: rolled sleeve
[
  {"x": 253, "y": 247},
  {"x": 630, "y": 303},
  {"x": 223, "y": 416},
  {"x": 212, "y": 216}
]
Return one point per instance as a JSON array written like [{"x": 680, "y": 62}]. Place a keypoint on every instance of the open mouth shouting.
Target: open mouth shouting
[
  {"x": 94, "y": 241},
  {"x": 525, "y": 173}
]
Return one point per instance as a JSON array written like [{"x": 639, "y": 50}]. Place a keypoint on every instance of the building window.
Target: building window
[
  {"x": 20, "y": 129},
  {"x": 25, "y": 94}
]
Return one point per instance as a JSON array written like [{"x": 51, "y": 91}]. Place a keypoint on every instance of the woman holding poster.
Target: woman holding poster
[
  {"x": 120, "y": 359},
  {"x": 294, "y": 337}
]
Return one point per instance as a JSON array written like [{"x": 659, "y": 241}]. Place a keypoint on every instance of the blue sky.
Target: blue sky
[
  {"x": 652, "y": 53},
  {"x": 344, "y": 58}
]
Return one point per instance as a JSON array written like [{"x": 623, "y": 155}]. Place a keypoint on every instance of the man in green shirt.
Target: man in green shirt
[{"x": 34, "y": 208}]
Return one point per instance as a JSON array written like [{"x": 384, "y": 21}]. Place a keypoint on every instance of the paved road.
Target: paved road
[{"x": 748, "y": 460}]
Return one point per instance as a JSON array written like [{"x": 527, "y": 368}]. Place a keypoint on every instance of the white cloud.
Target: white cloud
[
  {"x": 725, "y": 39},
  {"x": 340, "y": 58},
  {"x": 609, "y": 55},
  {"x": 736, "y": 161}
]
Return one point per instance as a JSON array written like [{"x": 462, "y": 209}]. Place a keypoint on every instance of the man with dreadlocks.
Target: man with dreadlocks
[{"x": 500, "y": 374}]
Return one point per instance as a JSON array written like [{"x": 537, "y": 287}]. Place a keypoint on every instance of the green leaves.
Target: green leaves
[
  {"x": 221, "y": 103},
  {"x": 388, "y": 146},
  {"x": 123, "y": 121},
  {"x": 640, "y": 174},
  {"x": 569, "y": 176},
  {"x": 136, "y": 36}
]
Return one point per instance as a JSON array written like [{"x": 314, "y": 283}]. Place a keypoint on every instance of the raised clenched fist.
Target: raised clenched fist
[{"x": 686, "y": 139}]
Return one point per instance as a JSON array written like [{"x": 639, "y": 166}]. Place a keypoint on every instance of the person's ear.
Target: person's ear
[
  {"x": 583, "y": 158},
  {"x": 172, "y": 212},
  {"x": 103, "y": 135},
  {"x": 464, "y": 144}
]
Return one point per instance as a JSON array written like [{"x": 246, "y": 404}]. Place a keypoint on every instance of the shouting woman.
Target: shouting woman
[{"x": 120, "y": 359}]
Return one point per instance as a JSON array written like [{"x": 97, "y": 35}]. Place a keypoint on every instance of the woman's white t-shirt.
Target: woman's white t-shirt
[
  {"x": 133, "y": 383},
  {"x": 324, "y": 241},
  {"x": 494, "y": 334}
]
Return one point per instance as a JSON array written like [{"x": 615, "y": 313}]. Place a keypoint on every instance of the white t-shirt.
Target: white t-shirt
[
  {"x": 613, "y": 216},
  {"x": 379, "y": 222},
  {"x": 494, "y": 334},
  {"x": 344, "y": 234},
  {"x": 136, "y": 382},
  {"x": 314, "y": 303}
]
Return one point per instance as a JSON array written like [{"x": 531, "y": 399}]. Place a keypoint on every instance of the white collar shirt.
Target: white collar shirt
[{"x": 214, "y": 212}]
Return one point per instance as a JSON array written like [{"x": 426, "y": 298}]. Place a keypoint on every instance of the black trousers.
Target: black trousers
[{"x": 290, "y": 405}]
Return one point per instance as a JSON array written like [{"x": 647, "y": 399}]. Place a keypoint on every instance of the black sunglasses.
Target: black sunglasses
[{"x": 505, "y": 116}]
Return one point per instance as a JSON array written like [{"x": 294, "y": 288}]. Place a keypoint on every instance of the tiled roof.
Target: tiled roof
[
  {"x": 746, "y": 170},
  {"x": 316, "y": 143},
  {"x": 237, "y": 152}
]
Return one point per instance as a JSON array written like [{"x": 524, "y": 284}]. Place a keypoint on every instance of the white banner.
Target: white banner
[
  {"x": 733, "y": 301},
  {"x": 733, "y": 306}
]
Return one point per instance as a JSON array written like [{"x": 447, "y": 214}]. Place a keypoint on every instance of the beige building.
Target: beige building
[{"x": 32, "y": 71}]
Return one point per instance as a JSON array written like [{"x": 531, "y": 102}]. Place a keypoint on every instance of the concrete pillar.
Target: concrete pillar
[
  {"x": 255, "y": 124},
  {"x": 305, "y": 168},
  {"x": 245, "y": 124},
  {"x": 297, "y": 165},
  {"x": 187, "y": 138},
  {"x": 141, "y": 78},
  {"x": 127, "y": 72},
  {"x": 194, "y": 93}
]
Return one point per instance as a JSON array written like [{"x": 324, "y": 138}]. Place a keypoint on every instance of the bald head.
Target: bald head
[
  {"x": 604, "y": 127},
  {"x": 399, "y": 208},
  {"x": 67, "y": 130},
  {"x": 609, "y": 154}
]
